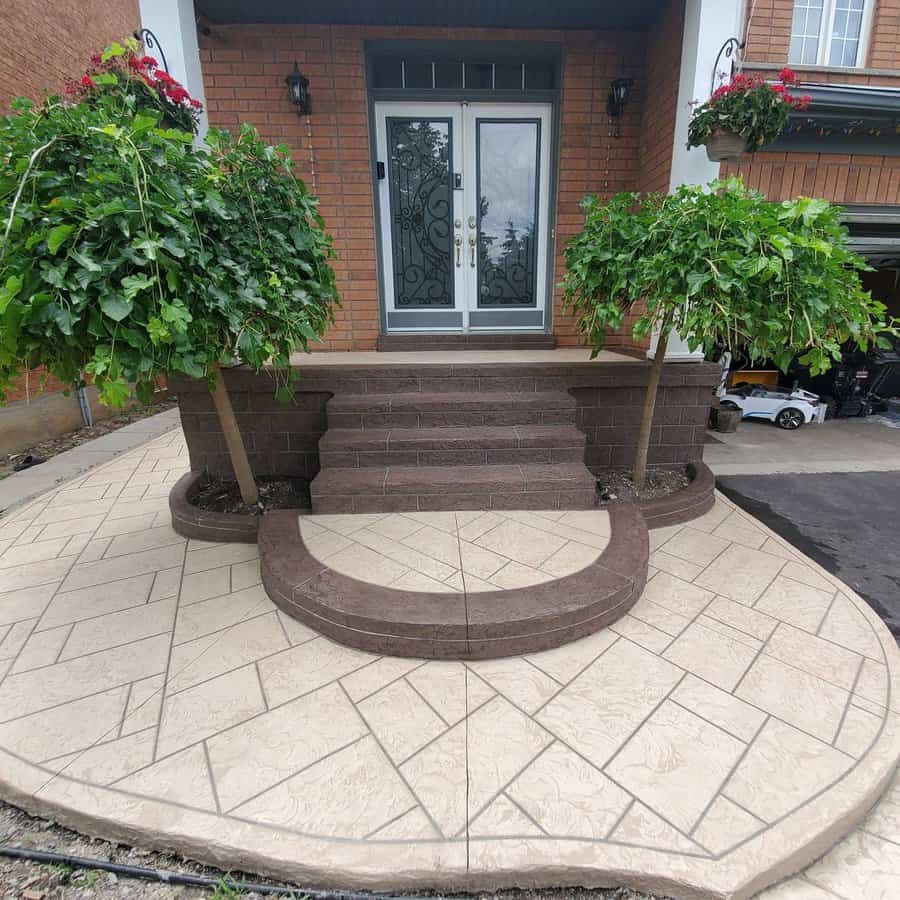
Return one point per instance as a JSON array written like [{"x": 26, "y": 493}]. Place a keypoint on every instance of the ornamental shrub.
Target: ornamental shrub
[
  {"x": 748, "y": 106},
  {"x": 726, "y": 269},
  {"x": 127, "y": 252}
]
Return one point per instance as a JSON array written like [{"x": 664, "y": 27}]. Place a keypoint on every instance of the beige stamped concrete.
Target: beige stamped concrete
[{"x": 727, "y": 732}]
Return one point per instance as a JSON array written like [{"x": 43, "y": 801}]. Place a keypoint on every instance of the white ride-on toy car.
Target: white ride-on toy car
[{"x": 787, "y": 409}]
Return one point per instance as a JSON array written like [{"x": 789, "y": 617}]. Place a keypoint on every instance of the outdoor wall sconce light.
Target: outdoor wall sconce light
[
  {"x": 298, "y": 87},
  {"x": 618, "y": 95}
]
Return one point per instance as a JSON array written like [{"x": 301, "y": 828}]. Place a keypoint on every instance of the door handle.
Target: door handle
[
  {"x": 472, "y": 250},
  {"x": 458, "y": 243}
]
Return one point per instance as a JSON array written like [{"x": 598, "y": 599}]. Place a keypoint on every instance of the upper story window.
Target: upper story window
[{"x": 830, "y": 32}]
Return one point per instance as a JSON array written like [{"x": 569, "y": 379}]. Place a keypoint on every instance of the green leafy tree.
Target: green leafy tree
[
  {"x": 726, "y": 269},
  {"x": 127, "y": 252}
]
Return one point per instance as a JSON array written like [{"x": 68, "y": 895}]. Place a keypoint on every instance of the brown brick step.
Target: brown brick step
[
  {"x": 486, "y": 445},
  {"x": 449, "y": 410},
  {"x": 408, "y": 488}
]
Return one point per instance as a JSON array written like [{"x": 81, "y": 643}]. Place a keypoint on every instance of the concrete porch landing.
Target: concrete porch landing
[{"x": 727, "y": 732}]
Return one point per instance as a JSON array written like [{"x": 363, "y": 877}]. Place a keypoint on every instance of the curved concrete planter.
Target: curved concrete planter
[
  {"x": 192, "y": 522},
  {"x": 454, "y": 626},
  {"x": 697, "y": 498}
]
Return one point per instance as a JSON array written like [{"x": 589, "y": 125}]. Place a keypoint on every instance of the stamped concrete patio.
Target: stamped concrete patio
[{"x": 728, "y": 731}]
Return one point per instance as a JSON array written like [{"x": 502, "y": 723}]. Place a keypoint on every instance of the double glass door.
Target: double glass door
[{"x": 463, "y": 198}]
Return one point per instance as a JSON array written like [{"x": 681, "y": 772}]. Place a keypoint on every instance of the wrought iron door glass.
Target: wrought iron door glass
[
  {"x": 421, "y": 195},
  {"x": 507, "y": 161}
]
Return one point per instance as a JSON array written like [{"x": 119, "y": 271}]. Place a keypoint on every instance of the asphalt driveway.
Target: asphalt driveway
[{"x": 849, "y": 522}]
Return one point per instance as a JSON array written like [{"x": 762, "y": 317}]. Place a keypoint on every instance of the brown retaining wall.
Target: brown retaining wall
[{"x": 283, "y": 439}]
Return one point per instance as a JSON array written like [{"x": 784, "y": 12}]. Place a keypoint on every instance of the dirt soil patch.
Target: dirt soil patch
[
  {"x": 218, "y": 495},
  {"x": 70, "y": 440},
  {"x": 617, "y": 485}
]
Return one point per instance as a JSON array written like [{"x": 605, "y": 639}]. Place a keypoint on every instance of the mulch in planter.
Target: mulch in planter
[
  {"x": 218, "y": 495},
  {"x": 617, "y": 485}
]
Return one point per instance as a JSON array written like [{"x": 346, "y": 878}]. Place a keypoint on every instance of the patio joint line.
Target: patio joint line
[
  {"x": 375, "y": 831},
  {"x": 521, "y": 808},
  {"x": 82, "y": 656},
  {"x": 537, "y": 668},
  {"x": 391, "y": 762},
  {"x": 125, "y": 710},
  {"x": 577, "y": 675},
  {"x": 840, "y": 725},
  {"x": 262, "y": 687},
  {"x": 414, "y": 689},
  {"x": 618, "y": 784},
  {"x": 620, "y": 818},
  {"x": 719, "y": 790},
  {"x": 290, "y": 775},
  {"x": 212, "y": 780},
  {"x": 471, "y": 817},
  {"x": 639, "y": 726}
]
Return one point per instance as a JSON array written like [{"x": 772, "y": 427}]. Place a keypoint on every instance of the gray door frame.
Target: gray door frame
[{"x": 537, "y": 51}]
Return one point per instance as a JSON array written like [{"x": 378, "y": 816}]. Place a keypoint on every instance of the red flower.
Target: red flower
[
  {"x": 96, "y": 59},
  {"x": 196, "y": 104},
  {"x": 779, "y": 89},
  {"x": 787, "y": 76},
  {"x": 87, "y": 82},
  {"x": 148, "y": 62}
]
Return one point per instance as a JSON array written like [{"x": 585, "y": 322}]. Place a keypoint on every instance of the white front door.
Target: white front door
[{"x": 464, "y": 210}]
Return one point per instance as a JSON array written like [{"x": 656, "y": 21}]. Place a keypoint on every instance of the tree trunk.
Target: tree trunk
[
  {"x": 233, "y": 440},
  {"x": 643, "y": 445}
]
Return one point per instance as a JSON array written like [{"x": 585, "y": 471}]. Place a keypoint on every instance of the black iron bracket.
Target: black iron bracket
[
  {"x": 729, "y": 51},
  {"x": 151, "y": 42}
]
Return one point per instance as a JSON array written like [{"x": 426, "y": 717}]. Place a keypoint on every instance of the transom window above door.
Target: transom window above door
[
  {"x": 415, "y": 72},
  {"x": 830, "y": 32}
]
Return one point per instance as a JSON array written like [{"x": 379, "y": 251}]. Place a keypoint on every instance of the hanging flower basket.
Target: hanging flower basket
[
  {"x": 722, "y": 145},
  {"x": 744, "y": 115}
]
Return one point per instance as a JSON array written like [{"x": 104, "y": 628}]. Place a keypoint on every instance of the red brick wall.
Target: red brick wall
[
  {"x": 663, "y": 63},
  {"x": 884, "y": 46},
  {"x": 244, "y": 69},
  {"x": 836, "y": 177},
  {"x": 41, "y": 44},
  {"x": 769, "y": 35}
]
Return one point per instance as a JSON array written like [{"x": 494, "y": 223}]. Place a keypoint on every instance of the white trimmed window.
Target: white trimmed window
[{"x": 830, "y": 32}]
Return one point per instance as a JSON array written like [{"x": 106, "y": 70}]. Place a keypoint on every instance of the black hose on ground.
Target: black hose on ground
[{"x": 183, "y": 878}]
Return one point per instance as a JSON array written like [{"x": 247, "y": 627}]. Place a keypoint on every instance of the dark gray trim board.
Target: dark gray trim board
[{"x": 535, "y": 50}]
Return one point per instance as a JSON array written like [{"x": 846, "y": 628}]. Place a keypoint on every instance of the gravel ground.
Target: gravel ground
[{"x": 21, "y": 880}]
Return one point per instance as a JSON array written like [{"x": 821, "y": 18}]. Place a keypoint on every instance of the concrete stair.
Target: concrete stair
[{"x": 437, "y": 451}]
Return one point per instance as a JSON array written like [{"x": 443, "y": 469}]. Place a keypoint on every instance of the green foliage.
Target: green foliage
[
  {"x": 747, "y": 106},
  {"x": 227, "y": 889},
  {"x": 727, "y": 269},
  {"x": 127, "y": 253}
]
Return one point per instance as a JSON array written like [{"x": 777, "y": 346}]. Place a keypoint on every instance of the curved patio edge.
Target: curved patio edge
[
  {"x": 192, "y": 522},
  {"x": 454, "y": 626},
  {"x": 690, "y": 503},
  {"x": 489, "y": 864}
]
